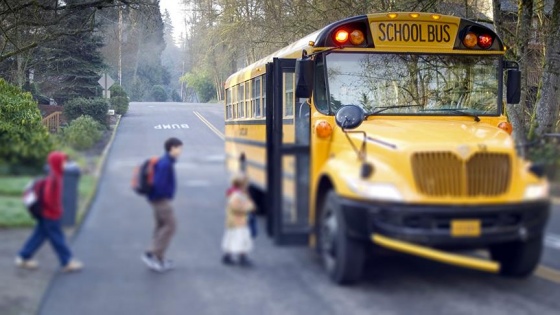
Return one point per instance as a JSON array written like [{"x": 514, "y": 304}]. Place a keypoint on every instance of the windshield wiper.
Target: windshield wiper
[
  {"x": 453, "y": 110},
  {"x": 326, "y": 51},
  {"x": 381, "y": 109}
]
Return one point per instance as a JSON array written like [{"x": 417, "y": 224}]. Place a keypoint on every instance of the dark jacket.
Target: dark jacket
[
  {"x": 164, "y": 179},
  {"x": 52, "y": 198}
]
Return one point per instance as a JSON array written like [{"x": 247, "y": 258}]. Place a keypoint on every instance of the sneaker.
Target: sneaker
[
  {"x": 73, "y": 266},
  {"x": 227, "y": 260},
  {"x": 26, "y": 263},
  {"x": 150, "y": 261},
  {"x": 166, "y": 265},
  {"x": 244, "y": 261}
]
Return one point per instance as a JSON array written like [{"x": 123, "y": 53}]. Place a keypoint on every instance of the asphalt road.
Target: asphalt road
[{"x": 284, "y": 281}]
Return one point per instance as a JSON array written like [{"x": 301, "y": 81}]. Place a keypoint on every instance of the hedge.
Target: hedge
[{"x": 96, "y": 108}]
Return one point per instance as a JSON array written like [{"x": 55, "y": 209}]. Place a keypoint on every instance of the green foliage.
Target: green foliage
[
  {"x": 202, "y": 84},
  {"x": 13, "y": 185},
  {"x": 159, "y": 94},
  {"x": 83, "y": 133},
  {"x": 25, "y": 141},
  {"x": 120, "y": 104},
  {"x": 13, "y": 213},
  {"x": 119, "y": 99},
  {"x": 96, "y": 108},
  {"x": 117, "y": 90},
  {"x": 175, "y": 96}
]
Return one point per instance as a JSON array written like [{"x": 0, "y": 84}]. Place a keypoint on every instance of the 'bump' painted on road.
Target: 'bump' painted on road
[{"x": 171, "y": 126}]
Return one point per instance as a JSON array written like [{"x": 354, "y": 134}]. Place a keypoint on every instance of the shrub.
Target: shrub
[
  {"x": 159, "y": 94},
  {"x": 24, "y": 141},
  {"x": 202, "y": 84},
  {"x": 175, "y": 96},
  {"x": 120, "y": 104},
  {"x": 83, "y": 132},
  {"x": 117, "y": 90},
  {"x": 119, "y": 99},
  {"x": 95, "y": 108}
]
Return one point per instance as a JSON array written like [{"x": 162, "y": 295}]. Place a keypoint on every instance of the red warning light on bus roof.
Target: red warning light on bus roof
[
  {"x": 341, "y": 36},
  {"x": 485, "y": 41}
]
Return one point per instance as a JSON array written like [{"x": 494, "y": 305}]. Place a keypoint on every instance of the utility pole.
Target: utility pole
[{"x": 120, "y": 43}]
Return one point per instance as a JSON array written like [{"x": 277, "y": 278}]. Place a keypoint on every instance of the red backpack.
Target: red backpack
[{"x": 143, "y": 178}]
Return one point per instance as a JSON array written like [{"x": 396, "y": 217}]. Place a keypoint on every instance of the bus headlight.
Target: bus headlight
[
  {"x": 536, "y": 191},
  {"x": 377, "y": 191}
]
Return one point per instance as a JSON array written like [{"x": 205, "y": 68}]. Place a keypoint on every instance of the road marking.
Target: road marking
[
  {"x": 209, "y": 125},
  {"x": 552, "y": 241},
  {"x": 542, "y": 271},
  {"x": 548, "y": 273},
  {"x": 171, "y": 126}
]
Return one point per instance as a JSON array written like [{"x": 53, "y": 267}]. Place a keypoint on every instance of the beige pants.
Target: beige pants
[{"x": 165, "y": 226}]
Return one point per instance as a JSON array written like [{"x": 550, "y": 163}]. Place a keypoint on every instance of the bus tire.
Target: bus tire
[
  {"x": 343, "y": 257},
  {"x": 518, "y": 259}
]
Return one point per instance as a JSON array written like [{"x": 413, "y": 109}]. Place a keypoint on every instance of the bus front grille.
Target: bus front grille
[{"x": 444, "y": 174}]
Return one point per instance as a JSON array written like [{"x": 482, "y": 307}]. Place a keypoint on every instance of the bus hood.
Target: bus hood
[{"x": 434, "y": 134}]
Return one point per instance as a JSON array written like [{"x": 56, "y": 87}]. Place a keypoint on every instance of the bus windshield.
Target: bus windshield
[{"x": 410, "y": 84}]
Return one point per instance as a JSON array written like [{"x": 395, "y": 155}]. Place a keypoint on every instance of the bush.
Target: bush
[
  {"x": 83, "y": 132},
  {"x": 202, "y": 84},
  {"x": 120, "y": 104},
  {"x": 119, "y": 99},
  {"x": 159, "y": 94},
  {"x": 24, "y": 141},
  {"x": 175, "y": 96},
  {"x": 95, "y": 108},
  {"x": 117, "y": 90}
]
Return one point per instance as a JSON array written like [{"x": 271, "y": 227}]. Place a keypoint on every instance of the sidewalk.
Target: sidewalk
[{"x": 22, "y": 290}]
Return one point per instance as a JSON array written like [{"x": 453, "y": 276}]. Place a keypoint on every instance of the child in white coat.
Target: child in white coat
[{"x": 237, "y": 241}]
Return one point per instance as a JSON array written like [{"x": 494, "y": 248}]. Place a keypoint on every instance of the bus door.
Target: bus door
[{"x": 288, "y": 139}]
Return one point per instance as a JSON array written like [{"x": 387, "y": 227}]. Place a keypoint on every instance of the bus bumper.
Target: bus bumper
[{"x": 430, "y": 225}]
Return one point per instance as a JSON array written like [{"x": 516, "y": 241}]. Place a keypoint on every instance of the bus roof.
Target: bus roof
[{"x": 398, "y": 32}]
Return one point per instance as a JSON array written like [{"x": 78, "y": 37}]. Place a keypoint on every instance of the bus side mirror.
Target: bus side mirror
[
  {"x": 350, "y": 117},
  {"x": 513, "y": 95},
  {"x": 305, "y": 77}
]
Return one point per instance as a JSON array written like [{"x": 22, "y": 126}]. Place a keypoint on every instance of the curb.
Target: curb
[{"x": 86, "y": 208}]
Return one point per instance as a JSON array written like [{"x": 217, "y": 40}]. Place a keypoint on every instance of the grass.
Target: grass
[
  {"x": 13, "y": 185},
  {"x": 13, "y": 213}
]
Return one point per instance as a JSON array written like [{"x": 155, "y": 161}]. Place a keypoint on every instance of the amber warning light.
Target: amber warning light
[{"x": 355, "y": 37}]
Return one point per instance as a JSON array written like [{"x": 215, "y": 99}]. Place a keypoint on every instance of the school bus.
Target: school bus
[{"x": 389, "y": 129}]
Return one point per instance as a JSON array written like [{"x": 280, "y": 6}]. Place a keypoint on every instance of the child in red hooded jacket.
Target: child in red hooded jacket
[{"x": 48, "y": 226}]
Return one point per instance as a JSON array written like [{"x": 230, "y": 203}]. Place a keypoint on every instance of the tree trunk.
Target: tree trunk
[
  {"x": 549, "y": 103},
  {"x": 516, "y": 112}
]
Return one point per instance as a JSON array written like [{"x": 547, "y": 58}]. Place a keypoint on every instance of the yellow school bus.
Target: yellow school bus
[{"x": 389, "y": 129}]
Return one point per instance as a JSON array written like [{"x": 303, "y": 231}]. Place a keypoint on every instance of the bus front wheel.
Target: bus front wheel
[
  {"x": 518, "y": 259},
  {"x": 343, "y": 256}
]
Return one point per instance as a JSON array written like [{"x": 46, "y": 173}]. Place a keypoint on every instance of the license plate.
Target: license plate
[{"x": 465, "y": 228}]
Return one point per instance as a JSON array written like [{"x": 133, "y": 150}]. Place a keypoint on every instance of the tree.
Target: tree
[
  {"x": 549, "y": 103},
  {"x": 21, "y": 127},
  {"x": 70, "y": 66}
]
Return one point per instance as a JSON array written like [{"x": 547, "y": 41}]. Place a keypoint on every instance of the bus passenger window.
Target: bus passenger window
[
  {"x": 289, "y": 94},
  {"x": 241, "y": 100},
  {"x": 257, "y": 97},
  {"x": 264, "y": 96}
]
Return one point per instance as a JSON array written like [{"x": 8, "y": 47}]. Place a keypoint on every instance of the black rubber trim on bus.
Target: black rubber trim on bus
[
  {"x": 497, "y": 45},
  {"x": 324, "y": 39}
]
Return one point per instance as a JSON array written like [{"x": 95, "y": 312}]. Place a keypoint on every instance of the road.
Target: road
[{"x": 284, "y": 281}]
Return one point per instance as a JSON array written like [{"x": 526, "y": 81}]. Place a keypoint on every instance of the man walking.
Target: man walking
[{"x": 160, "y": 197}]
